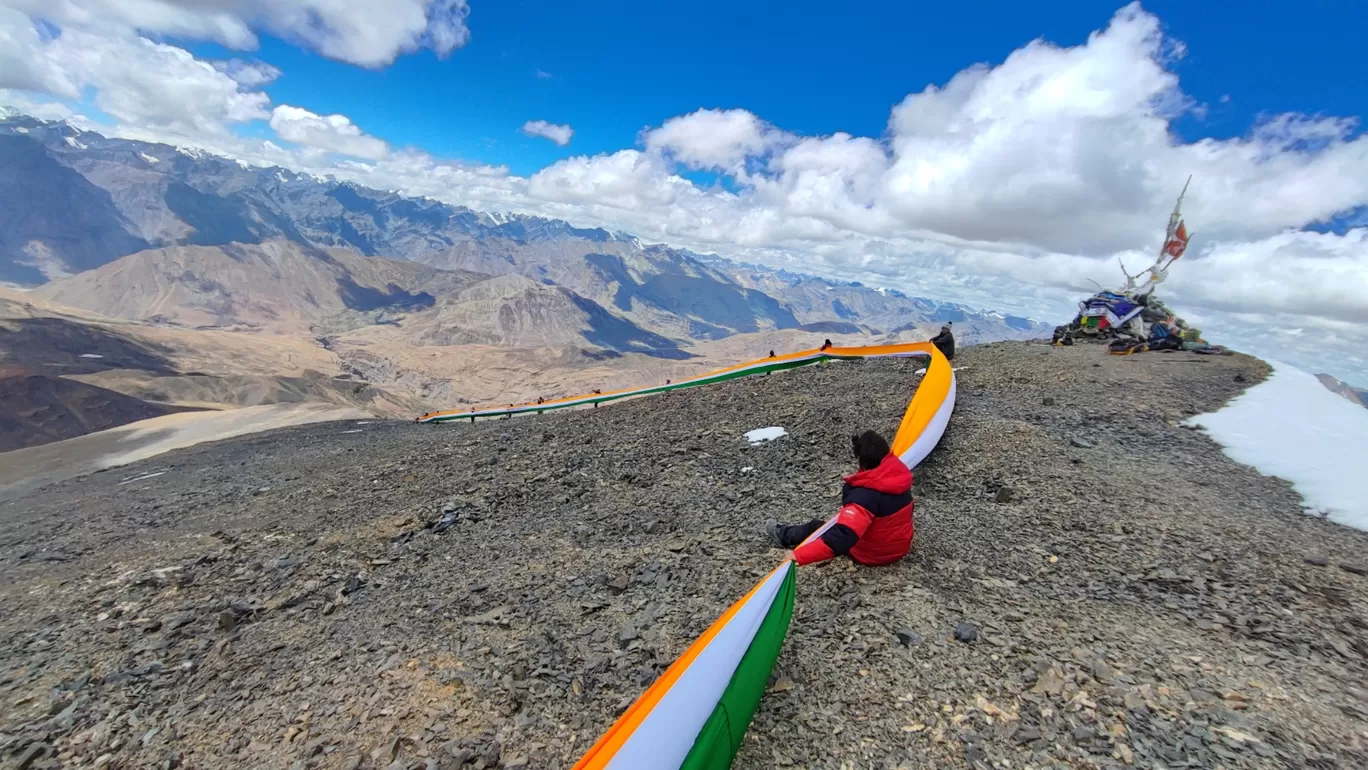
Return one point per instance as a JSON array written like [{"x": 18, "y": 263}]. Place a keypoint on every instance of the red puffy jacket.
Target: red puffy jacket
[{"x": 874, "y": 525}]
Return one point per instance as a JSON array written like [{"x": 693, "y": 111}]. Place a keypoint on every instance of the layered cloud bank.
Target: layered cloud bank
[{"x": 1014, "y": 185}]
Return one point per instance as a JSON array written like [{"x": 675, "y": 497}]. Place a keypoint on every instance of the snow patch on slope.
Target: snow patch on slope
[
  {"x": 761, "y": 435},
  {"x": 1292, "y": 427}
]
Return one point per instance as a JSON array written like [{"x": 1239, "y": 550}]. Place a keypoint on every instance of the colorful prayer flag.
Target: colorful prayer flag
[{"x": 1177, "y": 244}]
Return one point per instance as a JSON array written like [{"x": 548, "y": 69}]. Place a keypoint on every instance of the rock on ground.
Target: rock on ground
[{"x": 494, "y": 595}]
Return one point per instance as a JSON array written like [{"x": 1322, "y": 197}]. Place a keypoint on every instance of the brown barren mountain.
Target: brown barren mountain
[
  {"x": 71, "y": 371},
  {"x": 37, "y": 409},
  {"x": 278, "y": 285}
]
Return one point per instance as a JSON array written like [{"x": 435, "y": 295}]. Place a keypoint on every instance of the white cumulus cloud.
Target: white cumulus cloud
[
  {"x": 149, "y": 86},
  {"x": 714, "y": 139},
  {"x": 363, "y": 32},
  {"x": 24, "y": 62},
  {"x": 249, "y": 74},
  {"x": 558, "y": 133},
  {"x": 334, "y": 133},
  {"x": 1019, "y": 183},
  {"x": 625, "y": 180}
]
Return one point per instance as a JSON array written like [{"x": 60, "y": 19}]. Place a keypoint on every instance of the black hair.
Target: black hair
[{"x": 870, "y": 449}]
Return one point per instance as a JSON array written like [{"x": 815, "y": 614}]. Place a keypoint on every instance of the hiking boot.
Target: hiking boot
[{"x": 772, "y": 529}]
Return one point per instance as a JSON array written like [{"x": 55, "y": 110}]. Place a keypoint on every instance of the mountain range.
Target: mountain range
[
  {"x": 422, "y": 303},
  {"x": 1356, "y": 395}
]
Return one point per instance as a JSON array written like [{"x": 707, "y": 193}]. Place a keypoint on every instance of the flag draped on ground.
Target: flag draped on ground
[
  {"x": 695, "y": 715},
  {"x": 759, "y": 366}
]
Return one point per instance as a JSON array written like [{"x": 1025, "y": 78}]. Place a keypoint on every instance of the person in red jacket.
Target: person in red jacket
[{"x": 873, "y": 526}]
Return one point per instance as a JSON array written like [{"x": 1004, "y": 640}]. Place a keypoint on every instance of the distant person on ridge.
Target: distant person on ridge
[
  {"x": 873, "y": 526},
  {"x": 945, "y": 342},
  {"x": 826, "y": 344}
]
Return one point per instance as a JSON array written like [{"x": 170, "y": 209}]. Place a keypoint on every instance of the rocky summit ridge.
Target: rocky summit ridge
[{"x": 1092, "y": 585}]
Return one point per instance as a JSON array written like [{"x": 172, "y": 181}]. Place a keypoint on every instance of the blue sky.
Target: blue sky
[{"x": 617, "y": 67}]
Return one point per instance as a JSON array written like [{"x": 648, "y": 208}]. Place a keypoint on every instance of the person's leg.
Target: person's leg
[{"x": 791, "y": 535}]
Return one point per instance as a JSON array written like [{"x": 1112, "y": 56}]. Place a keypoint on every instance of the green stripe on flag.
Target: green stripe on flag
[
  {"x": 721, "y": 736},
  {"x": 724, "y": 377}
]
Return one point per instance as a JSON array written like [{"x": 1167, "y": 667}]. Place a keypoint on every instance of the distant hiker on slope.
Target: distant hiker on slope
[
  {"x": 945, "y": 342},
  {"x": 874, "y": 525}
]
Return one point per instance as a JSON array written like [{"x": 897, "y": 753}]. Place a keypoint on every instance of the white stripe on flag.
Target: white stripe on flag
[
  {"x": 928, "y": 439},
  {"x": 665, "y": 736}
]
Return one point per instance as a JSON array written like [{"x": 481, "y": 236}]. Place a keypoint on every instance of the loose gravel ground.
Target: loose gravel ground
[{"x": 1092, "y": 585}]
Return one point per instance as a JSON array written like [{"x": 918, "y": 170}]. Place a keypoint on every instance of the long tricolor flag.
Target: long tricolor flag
[
  {"x": 696, "y": 713},
  {"x": 694, "y": 716},
  {"x": 750, "y": 368}
]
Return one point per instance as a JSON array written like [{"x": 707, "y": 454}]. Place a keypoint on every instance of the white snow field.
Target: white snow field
[{"x": 1291, "y": 426}]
